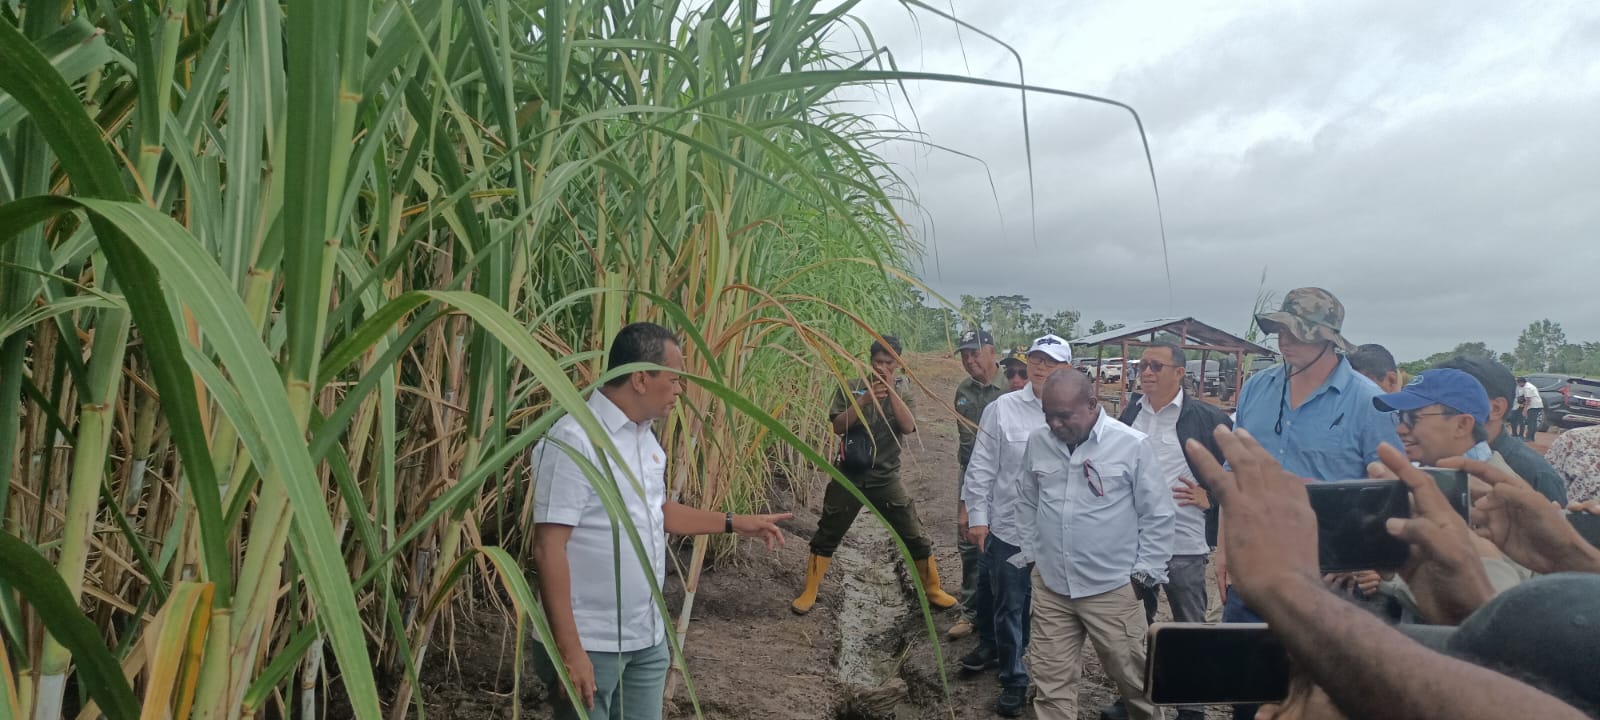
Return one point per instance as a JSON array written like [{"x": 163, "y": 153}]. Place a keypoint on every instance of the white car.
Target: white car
[{"x": 1110, "y": 370}]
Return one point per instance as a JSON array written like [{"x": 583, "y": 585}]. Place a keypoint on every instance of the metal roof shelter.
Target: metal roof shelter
[{"x": 1191, "y": 334}]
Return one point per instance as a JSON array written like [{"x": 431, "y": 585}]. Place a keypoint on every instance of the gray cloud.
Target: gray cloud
[{"x": 1435, "y": 166}]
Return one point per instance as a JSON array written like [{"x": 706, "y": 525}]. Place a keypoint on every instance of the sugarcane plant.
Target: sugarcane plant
[{"x": 288, "y": 289}]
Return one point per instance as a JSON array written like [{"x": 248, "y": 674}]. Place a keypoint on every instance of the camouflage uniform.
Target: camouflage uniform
[
  {"x": 880, "y": 483},
  {"x": 971, "y": 399}
]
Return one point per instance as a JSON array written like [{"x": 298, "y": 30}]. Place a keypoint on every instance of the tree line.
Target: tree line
[
  {"x": 1542, "y": 347},
  {"x": 1011, "y": 319}
]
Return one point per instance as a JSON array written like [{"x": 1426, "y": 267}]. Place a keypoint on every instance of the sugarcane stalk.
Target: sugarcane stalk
[{"x": 83, "y": 494}]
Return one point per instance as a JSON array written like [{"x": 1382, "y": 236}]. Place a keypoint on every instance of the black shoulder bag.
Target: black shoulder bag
[{"x": 856, "y": 451}]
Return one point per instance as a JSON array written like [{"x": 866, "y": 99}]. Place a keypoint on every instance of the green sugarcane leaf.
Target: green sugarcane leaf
[{"x": 36, "y": 578}]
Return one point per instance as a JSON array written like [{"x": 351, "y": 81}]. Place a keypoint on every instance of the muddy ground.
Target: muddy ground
[{"x": 864, "y": 647}]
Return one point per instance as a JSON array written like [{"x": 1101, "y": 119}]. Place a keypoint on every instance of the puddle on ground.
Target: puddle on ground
[{"x": 871, "y": 621}]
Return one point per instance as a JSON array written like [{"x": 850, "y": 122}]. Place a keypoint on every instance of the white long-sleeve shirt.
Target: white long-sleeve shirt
[
  {"x": 1161, "y": 427},
  {"x": 1094, "y": 515},
  {"x": 990, "y": 486}
]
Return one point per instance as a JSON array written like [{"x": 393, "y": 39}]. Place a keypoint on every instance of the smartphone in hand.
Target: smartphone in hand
[
  {"x": 1587, "y": 525},
  {"x": 1205, "y": 664},
  {"x": 1352, "y": 517},
  {"x": 1456, "y": 488}
]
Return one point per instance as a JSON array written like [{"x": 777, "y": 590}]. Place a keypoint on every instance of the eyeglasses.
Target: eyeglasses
[
  {"x": 1042, "y": 359},
  {"x": 1097, "y": 485},
  {"x": 1408, "y": 418},
  {"x": 1153, "y": 366},
  {"x": 1016, "y": 372}
]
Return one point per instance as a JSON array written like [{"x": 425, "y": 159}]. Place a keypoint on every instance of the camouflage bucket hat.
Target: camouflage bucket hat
[{"x": 1309, "y": 314}]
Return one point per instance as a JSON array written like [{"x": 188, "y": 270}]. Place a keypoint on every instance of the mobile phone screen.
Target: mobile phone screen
[
  {"x": 1199, "y": 664},
  {"x": 1453, "y": 483},
  {"x": 1351, "y": 532},
  {"x": 1587, "y": 525}
]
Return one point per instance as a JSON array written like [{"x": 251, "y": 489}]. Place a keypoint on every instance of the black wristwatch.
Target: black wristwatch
[{"x": 727, "y": 524}]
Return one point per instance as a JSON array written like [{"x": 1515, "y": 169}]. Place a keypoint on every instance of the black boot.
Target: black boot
[
  {"x": 983, "y": 657},
  {"x": 1011, "y": 702}
]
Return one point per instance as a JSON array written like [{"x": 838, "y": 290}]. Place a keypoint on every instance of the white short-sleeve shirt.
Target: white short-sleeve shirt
[
  {"x": 563, "y": 495},
  {"x": 1535, "y": 401}
]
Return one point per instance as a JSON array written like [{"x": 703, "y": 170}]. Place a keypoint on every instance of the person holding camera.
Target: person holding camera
[{"x": 871, "y": 415}]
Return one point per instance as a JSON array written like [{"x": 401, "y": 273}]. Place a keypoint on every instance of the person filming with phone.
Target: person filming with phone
[{"x": 871, "y": 415}]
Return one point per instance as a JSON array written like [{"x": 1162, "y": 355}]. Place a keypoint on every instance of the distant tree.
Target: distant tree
[
  {"x": 1008, "y": 318},
  {"x": 1100, "y": 326},
  {"x": 1470, "y": 349},
  {"x": 1063, "y": 323},
  {"x": 1508, "y": 360},
  {"x": 1539, "y": 345},
  {"x": 925, "y": 327},
  {"x": 1568, "y": 359}
]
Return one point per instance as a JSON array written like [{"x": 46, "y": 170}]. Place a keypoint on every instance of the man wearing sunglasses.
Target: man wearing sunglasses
[
  {"x": 1441, "y": 414},
  {"x": 981, "y": 386},
  {"x": 989, "y": 494},
  {"x": 1170, "y": 420},
  {"x": 1313, "y": 412},
  {"x": 1016, "y": 370}
]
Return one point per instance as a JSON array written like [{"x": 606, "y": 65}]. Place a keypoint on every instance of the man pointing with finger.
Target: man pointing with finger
[
  {"x": 989, "y": 492},
  {"x": 609, "y": 633}
]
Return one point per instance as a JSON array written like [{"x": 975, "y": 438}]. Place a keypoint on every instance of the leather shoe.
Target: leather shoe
[{"x": 961, "y": 629}]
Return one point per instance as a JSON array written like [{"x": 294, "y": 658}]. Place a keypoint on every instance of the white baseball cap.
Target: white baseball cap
[{"x": 1053, "y": 346}]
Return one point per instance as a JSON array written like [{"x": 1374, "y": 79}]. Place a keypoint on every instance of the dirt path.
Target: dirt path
[
  {"x": 799, "y": 668},
  {"x": 751, "y": 659}
]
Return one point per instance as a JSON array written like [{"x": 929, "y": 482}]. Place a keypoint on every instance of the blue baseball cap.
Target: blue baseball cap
[{"x": 1449, "y": 387}]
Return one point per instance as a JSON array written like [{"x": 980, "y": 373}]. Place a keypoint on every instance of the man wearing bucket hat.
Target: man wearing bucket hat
[{"x": 1313, "y": 412}]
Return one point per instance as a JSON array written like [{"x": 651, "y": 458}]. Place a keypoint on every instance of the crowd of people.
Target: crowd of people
[{"x": 1073, "y": 523}]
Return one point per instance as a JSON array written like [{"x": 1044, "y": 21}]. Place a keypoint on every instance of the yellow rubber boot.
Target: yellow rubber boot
[
  {"x": 937, "y": 597},
  {"x": 816, "y": 567}
]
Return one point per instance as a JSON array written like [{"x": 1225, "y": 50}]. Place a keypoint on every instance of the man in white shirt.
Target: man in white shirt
[
  {"x": 1169, "y": 418},
  {"x": 1532, "y": 405},
  {"x": 590, "y": 576},
  {"x": 989, "y": 495},
  {"x": 1097, "y": 516}
]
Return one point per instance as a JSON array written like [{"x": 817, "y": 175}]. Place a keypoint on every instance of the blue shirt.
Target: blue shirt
[{"x": 1333, "y": 435}]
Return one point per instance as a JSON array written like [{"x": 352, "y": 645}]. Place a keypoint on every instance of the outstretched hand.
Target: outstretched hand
[
  {"x": 1271, "y": 535},
  {"x": 764, "y": 527},
  {"x": 1526, "y": 525},
  {"x": 1443, "y": 569}
]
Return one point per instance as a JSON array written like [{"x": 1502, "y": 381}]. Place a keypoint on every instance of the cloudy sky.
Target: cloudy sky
[{"x": 1434, "y": 165}]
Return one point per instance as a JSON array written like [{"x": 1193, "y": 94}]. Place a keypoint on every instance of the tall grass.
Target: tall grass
[{"x": 287, "y": 290}]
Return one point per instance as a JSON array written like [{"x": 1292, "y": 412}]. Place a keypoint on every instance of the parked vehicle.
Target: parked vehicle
[
  {"x": 1110, "y": 370},
  {"x": 1568, "y": 401},
  {"x": 1212, "y": 382}
]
